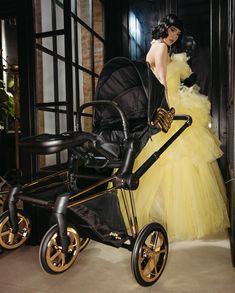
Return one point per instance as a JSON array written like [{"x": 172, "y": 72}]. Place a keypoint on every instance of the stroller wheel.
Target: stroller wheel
[
  {"x": 8, "y": 240},
  {"x": 51, "y": 257},
  {"x": 149, "y": 254},
  {"x": 83, "y": 243}
]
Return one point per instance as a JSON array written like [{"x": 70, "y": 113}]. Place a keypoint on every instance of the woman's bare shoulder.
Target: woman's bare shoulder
[
  {"x": 159, "y": 46},
  {"x": 157, "y": 49}
]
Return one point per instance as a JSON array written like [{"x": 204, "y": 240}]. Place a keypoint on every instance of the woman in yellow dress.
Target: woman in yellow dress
[{"x": 184, "y": 189}]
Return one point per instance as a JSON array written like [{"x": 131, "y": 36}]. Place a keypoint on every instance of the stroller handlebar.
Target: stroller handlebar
[
  {"x": 188, "y": 118},
  {"x": 109, "y": 103}
]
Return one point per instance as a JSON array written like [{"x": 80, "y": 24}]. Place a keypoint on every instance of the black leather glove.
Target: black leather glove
[{"x": 163, "y": 118}]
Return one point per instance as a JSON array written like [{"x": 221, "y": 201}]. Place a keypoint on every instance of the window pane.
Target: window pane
[
  {"x": 84, "y": 11},
  {"x": 45, "y": 42},
  {"x": 85, "y": 48},
  {"x": 63, "y": 123},
  {"x": 98, "y": 55},
  {"x": 59, "y": 18},
  {"x": 64, "y": 156},
  {"x": 73, "y": 39},
  {"x": 43, "y": 15},
  {"x": 45, "y": 122},
  {"x": 98, "y": 17},
  {"x": 45, "y": 77},
  {"x": 60, "y": 45},
  {"x": 61, "y": 80},
  {"x": 75, "y": 90},
  {"x": 81, "y": 87},
  {"x": 49, "y": 122},
  {"x": 50, "y": 160}
]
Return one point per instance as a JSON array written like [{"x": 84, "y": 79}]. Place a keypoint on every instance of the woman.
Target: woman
[{"x": 184, "y": 189}]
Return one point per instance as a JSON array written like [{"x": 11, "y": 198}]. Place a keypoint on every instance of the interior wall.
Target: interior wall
[{"x": 230, "y": 110}]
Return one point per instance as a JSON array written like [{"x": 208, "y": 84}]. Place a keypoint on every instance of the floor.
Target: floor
[{"x": 198, "y": 266}]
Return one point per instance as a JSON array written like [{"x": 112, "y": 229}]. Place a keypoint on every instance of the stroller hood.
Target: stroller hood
[{"x": 134, "y": 87}]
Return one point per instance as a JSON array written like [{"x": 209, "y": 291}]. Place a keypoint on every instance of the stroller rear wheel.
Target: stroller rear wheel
[
  {"x": 51, "y": 257},
  {"x": 149, "y": 254},
  {"x": 9, "y": 240}
]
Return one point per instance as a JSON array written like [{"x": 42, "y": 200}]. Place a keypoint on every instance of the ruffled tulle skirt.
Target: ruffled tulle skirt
[{"x": 184, "y": 189}]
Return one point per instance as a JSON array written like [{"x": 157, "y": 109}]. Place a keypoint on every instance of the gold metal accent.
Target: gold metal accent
[
  {"x": 93, "y": 186},
  {"x": 115, "y": 235},
  {"x": 92, "y": 196},
  {"x": 136, "y": 229},
  {"x": 152, "y": 257},
  {"x": 60, "y": 173},
  {"x": 83, "y": 243},
  {"x": 56, "y": 260},
  {"x": 130, "y": 211},
  {"x": 10, "y": 241}
]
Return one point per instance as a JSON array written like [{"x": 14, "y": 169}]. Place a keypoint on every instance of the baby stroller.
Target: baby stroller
[{"x": 82, "y": 197}]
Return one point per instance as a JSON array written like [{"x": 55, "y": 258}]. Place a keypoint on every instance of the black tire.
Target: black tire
[
  {"x": 149, "y": 254},
  {"x": 8, "y": 240},
  {"x": 51, "y": 257}
]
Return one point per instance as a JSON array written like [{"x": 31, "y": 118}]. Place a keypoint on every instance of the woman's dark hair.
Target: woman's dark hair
[{"x": 160, "y": 30}]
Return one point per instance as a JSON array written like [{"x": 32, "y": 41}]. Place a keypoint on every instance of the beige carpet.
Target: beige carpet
[{"x": 192, "y": 266}]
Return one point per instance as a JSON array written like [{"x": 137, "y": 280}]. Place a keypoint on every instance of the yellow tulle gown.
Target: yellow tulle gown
[{"x": 184, "y": 189}]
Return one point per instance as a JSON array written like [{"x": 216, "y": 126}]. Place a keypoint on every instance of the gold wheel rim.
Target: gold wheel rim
[
  {"x": 8, "y": 240},
  {"x": 56, "y": 260},
  {"x": 83, "y": 242},
  {"x": 152, "y": 257}
]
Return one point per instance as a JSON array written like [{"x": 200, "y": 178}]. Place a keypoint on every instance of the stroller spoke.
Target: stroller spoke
[
  {"x": 20, "y": 221},
  {"x": 72, "y": 243},
  {"x": 71, "y": 247},
  {"x": 150, "y": 266},
  {"x": 11, "y": 238},
  {"x": 5, "y": 233},
  {"x": 55, "y": 255},
  {"x": 54, "y": 243}
]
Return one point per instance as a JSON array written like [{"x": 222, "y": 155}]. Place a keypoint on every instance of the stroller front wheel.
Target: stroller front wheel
[
  {"x": 149, "y": 254},
  {"x": 51, "y": 256},
  {"x": 9, "y": 240}
]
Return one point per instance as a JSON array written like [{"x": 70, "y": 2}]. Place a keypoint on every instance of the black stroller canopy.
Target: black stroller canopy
[{"x": 133, "y": 86}]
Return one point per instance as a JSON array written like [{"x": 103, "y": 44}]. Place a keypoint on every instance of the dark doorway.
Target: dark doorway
[
  {"x": 196, "y": 18},
  {"x": 9, "y": 95}
]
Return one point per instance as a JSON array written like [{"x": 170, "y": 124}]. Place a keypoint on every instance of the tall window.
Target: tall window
[
  {"x": 135, "y": 34},
  {"x": 69, "y": 57}
]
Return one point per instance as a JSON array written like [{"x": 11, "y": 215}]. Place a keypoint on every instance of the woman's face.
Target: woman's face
[{"x": 173, "y": 35}]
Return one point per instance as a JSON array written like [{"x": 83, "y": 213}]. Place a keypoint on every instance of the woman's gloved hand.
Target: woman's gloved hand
[{"x": 163, "y": 118}]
